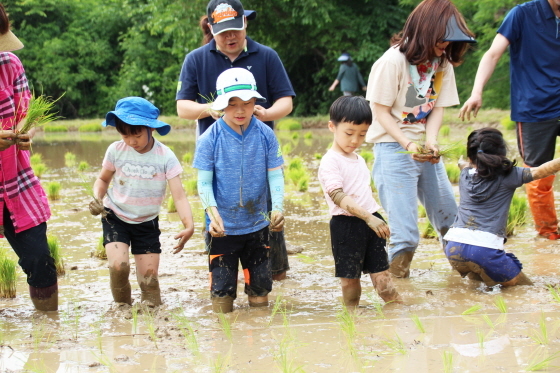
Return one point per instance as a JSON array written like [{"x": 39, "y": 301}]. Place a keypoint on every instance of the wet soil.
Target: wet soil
[{"x": 304, "y": 328}]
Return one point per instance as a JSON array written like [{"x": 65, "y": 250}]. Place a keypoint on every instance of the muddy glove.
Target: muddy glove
[
  {"x": 276, "y": 221},
  {"x": 96, "y": 207}
]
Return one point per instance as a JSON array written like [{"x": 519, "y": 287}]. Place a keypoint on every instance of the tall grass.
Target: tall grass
[
  {"x": 517, "y": 215},
  {"x": 53, "y": 190},
  {"x": 56, "y": 254},
  {"x": 8, "y": 275}
]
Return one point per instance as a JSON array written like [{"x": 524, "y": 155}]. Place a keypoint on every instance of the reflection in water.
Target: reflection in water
[{"x": 92, "y": 334}]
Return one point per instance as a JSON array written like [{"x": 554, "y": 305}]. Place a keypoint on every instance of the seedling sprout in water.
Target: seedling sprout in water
[
  {"x": 418, "y": 323},
  {"x": 540, "y": 336},
  {"x": 225, "y": 325},
  {"x": 500, "y": 304},
  {"x": 472, "y": 309}
]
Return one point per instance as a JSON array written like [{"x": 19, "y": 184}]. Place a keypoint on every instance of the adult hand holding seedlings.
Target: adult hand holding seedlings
[
  {"x": 276, "y": 221},
  {"x": 23, "y": 140},
  {"x": 7, "y": 139}
]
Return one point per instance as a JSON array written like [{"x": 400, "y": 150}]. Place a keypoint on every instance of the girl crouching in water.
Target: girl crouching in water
[{"x": 487, "y": 184}]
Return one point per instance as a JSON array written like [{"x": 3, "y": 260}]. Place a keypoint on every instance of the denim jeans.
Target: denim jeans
[{"x": 401, "y": 182}]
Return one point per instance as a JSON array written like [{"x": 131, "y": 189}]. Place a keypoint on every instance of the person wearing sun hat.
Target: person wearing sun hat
[
  {"x": 239, "y": 164},
  {"x": 140, "y": 167},
  {"x": 24, "y": 204},
  {"x": 349, "y": 77},
  {"x": 231, "y": 47}
]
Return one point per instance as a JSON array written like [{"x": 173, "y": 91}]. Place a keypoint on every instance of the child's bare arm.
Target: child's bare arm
[
  {"x": 99, "y": 190},
  {"x": 349, "y": 204},
  {"x": 184, "y": 210},
  {"x": 546, "y": 169}
]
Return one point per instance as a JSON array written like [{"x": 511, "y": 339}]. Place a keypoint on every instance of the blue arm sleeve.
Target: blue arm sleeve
[
  {"x": 205, "y": 190},
  {"x": 276, "y": 183}
]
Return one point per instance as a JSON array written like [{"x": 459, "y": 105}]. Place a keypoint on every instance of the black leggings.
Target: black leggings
[{"x": 33, "y": 252}]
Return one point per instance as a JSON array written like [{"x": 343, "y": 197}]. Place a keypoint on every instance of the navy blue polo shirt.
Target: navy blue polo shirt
[
  {"x": 534, "y": 36},
  {"x": 203, "y": 65}
]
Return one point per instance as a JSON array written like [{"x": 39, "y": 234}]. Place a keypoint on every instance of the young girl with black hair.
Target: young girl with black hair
[{"x": 488, "y": 181}]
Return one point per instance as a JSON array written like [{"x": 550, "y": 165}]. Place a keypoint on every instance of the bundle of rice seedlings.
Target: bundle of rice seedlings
[
  {"x": 8, "y": 276},
  {"x": 210, "y": 100},
  {"x": 35, "y": 159},
  {"x": 82, "y": 166},
  {"x": 53, "y": 190},
  {"x": 453, "y": 172},
  {"x": 444, "y": 149},
  {"x": 56, "y": 254},
  {"x": 308, "y": 135},
  {"x": 100, "y": 251},
  {"x": 39, "y": 169},
  {"x": 517, "y": 215},
  {"x": 39, "y": 112},
  {"x": 69, "y": 159}
]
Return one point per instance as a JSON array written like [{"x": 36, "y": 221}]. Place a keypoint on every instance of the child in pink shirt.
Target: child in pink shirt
[{"x": 358, "y": 231}]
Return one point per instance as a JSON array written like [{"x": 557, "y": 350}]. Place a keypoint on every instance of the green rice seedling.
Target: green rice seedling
[
  {"x": 554, "y": 293},
  {"x": 540, "y": 336},
  {"x": 318, "y": 156},
  {"x": 395, "y": 345},
  {"x": 187, "y": 157},
  {"x": 171, "y": 204},
  {"x": 90, "y": 127},
  {"x": 98, "y": 332},
  {"x": 188, "y": 331},
  {"x": 447, "y": 361},
  {"x": 53, "y": 190},
  {"x": 306, "y": 259},
  {"x": 481, "y": 338},
  {"x": 220, "y": 363},
  {"x": 191, "y": 186},
  {"x": 287, "y": 149},
  {"x": 308, "y": 135},
  {"x": 376, "y": 304},
  {"x": 418, "y": 323},
  {"x": 148, "y": 319},
  {"x": 288, "y": 124},
  {"x": 74, "y": 318},
  {"x": 507, "y": 123},
  {"x": 39, "y": 112},
  {"x": 69, "y": 159},
  {"x": 422, "y": 212},
  {"x": 100, "y": 251},
  {"x": 500, "y": 304},
  {"x": 540, "y": 363},
  {"x": 347, "y": 322},
  {"x": 55, "y": 128},
  {"x": 8, "y": 275},
  {"x": 427, "y": 229},
  {"x": 471, "y": 310},
  {"x": 303, "y": 183},
  {"x": 453, "y": 172},
  {"x": 106, "y": 362},
  {"x": 56, "y": 254},
  {"x": 278, "y": 303},
  {"x": 36, "y": 158},
  {"x": 39, "y": 169},
  {"x": 295, "y": 136},
  {"x": 444, "y": 130},
  {"x": 134, "y": 312},
  {"x": 517, "y": 215},
  {"x": 82, "y": 166},
  {"x": 367, "y": 155},
  {"x": 488, "y": 321},
  {"x": 284, "y": 355},
  {"x": 225, "y": 325},
  {"x": 296, "y": 163}
]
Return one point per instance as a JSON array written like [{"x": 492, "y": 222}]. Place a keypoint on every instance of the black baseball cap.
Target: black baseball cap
[{"x": 225, "y": 15}]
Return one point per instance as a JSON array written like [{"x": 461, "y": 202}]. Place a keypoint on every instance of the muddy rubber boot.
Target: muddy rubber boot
[
  {"x": 222, "y": 304},
  {"x": 44, "y": 299},
  {"x": 151, "y": 294},
  {"x": 400, "y": 266},
  {"x": 522, "y": 279},
  {"x": 120, "y": 286}
]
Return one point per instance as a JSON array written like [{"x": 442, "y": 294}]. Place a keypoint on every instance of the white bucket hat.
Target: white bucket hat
[{"x": 235, "y": 82}]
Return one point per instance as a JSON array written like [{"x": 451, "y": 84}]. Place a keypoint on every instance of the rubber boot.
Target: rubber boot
[
  {"x": 120, "y": 286},
  {"x": 222, "y": 304},
  {"x": 400, "y": 266},
  {"x": 44, "y": 299},
  {"x": 149, "y": 285},
  {"x": 540, "y": 195}
]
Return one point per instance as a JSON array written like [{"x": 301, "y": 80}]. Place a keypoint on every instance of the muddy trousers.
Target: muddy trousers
[
  {"x": 35, "y": 259},
  {"x": 541, "y": 201}
]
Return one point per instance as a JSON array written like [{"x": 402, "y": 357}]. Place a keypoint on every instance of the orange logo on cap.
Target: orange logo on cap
[{"x": 223, "y": 12}]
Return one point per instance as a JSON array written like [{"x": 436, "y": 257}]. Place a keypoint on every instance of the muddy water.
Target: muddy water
[{"x": 305, "y": 332}]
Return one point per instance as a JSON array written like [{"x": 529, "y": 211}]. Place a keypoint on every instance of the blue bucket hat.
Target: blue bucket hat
[{"x": 137, "y": 111}]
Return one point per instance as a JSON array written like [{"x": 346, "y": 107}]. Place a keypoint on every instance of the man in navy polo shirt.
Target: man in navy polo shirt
[
  {"x": 232, "y": 48},
  {"x": 532, "y": 32}
]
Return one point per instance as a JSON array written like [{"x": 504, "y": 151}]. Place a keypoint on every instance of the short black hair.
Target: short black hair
[
  {"x": 126, "y": 129},
  {"x": 351, "y": 109}
]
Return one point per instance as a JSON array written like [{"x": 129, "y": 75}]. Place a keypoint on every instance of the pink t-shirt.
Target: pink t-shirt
[{"x": 352, "y": 175}]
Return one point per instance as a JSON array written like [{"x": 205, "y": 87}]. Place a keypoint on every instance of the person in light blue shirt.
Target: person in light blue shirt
[{"x": 239, "y": 164}]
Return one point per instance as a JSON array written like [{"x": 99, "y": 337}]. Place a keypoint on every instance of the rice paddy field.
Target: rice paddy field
[{"x": 446, "y": 324}]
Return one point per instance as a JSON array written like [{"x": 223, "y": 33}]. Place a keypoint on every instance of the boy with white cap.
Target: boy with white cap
[
  {"x": 140, "y": 167},
  {"x": 239, "y": 165}
]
